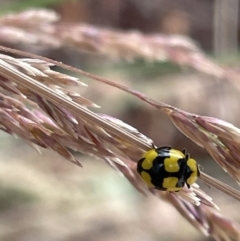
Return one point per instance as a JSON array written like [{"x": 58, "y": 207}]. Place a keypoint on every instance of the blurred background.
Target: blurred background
[{"x": 43, "y": 197}]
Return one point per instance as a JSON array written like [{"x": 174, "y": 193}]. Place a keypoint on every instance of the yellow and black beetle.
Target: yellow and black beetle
[{"x": 168, "y": 169}]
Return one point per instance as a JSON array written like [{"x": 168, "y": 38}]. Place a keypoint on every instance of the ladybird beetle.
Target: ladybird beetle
[{"x": 168, "y": 169}]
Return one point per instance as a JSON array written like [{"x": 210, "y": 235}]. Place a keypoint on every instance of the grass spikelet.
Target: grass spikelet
[
  {"x": 42, "y": 28},
  {"x": 42, "y": 112}
]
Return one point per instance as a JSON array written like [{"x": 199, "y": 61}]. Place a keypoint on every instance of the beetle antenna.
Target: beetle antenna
[
  {"x": 201, "y": 168},
  {"x": 154, "y": 147}
]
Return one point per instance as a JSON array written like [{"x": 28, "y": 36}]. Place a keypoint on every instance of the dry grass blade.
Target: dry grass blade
[
  {"x": 40, "y": 28},
  {"x": 31, "y": 27},
  {"x": 219, "y": 138},
  {"x": 220, "y": 185},
  {"x": 208, "y": 221},
  {"x": 222, "y": 225},
  {"x": 41, "y": 116},
  {"x": 168, "y": 109}
]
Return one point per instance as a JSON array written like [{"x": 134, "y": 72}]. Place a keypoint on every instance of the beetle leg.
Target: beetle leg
[
  {"x": 160, "y": 188},
  {"x": 187, "y": 156}
]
